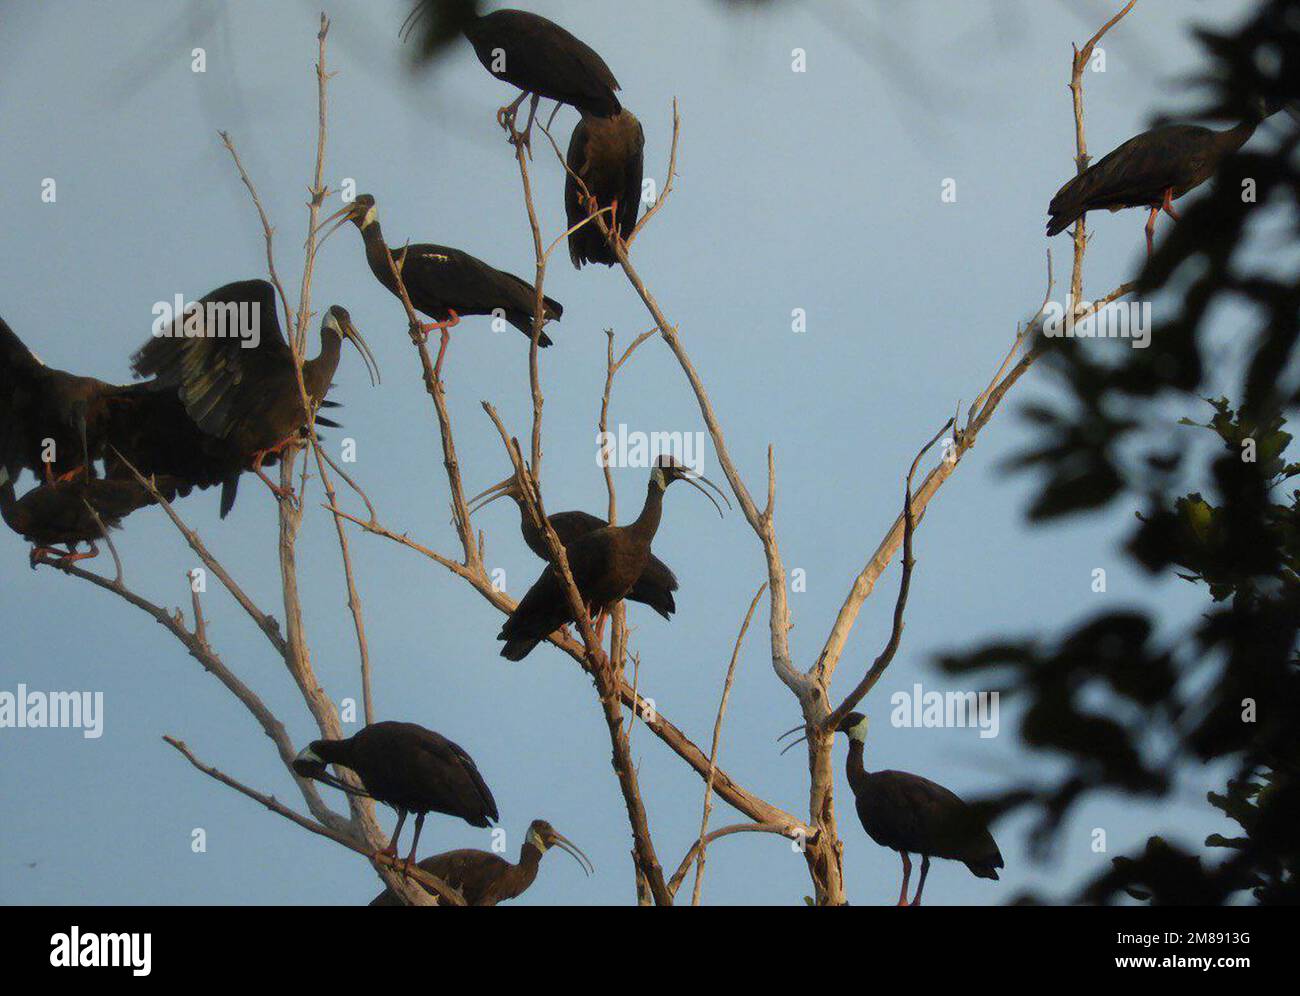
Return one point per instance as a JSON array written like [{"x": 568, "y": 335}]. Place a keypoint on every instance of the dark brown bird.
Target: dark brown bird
[
  {"x": 544, "y": 60},
  {"x": 64, "y": 512},
  {"x": 52, "y": 422},
  {"x": 405, "y": 766},
  {"x": 445, "y": 283},
  {"x": 235, "y": 374},
  {"x": 608, "y": 155},
  {"x": 57, "y": 424},
  {"x": 1152, "y": 170},
  {"x": 484, "y": 878},
  {"x": 913, "y": 815},
  {"x": 654, "y": 587},
  {"x": 606, "y": 563}
]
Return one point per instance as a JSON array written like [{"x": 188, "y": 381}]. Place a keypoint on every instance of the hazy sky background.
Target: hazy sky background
[{"x": 818, "y": 190}]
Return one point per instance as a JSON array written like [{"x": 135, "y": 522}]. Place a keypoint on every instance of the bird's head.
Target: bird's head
[
  {"x": 309, "y": 763},
  {"x": 338, "y": 322},
  {"x": 507, "y": 488},
  {"x": 361, "y": 212},
  {"x": 668, "y": 468},
  {"x": 543, "y": 836},
  {"x": 855, "y": 725}
]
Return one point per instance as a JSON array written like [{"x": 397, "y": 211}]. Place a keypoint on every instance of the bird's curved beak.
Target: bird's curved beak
[
  {"x": 499, "y": 490},
  {"x": 353, "y": 334},
  {"x": 569, "y": 847},
  {"x": 308, "y": 765},
  {"x": 796, "y": 740},
  {"x": 340, "y": 217},
  {"x": 693, "y": 480}
]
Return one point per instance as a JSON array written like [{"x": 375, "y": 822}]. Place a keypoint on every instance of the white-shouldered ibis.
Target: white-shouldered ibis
[
  {"x": 242, "y": 388},
  {"x": 485, "y": 879},
  {"x": 64, "y": 512},
  {"x": 542, "y": 59},
  {"x": 608, "y": 153},
  {"x": 606, "y": 563},
  {"x": 1152, "y": 170},
  {"x": 445, "y": 283},
  {"x": 72, "y": 421},
  {"x": 913, "y": 815},
  {"x": 405, "y": 766},
  {"x": 654, "y": 587}
]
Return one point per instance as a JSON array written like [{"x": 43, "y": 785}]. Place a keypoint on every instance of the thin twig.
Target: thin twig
[{"x": 717, "y": 739}]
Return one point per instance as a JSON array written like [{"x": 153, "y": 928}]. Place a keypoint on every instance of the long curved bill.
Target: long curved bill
[
  {"x": 352, "y": 333},
  {"x": 694, "y": 479},
  {"x": 322, "y": 774},
  {"x": 340, "y": 217},
  {"x": 570, "y": 848},
  {"x": 797, "y": 740},
  {"x": 499, "y": 490}
]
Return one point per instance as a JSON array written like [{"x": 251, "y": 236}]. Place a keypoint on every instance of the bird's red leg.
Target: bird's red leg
[
  {"x": 40, "y": 554},
  {"x": 598, "y": 621},
  {"x": 907, "y": 874},
  {"x": 391, "y": 849},
  {"x": 49, "y": 473},
  {"x": 444, "y": 328},
  {"x": 258, "y": 457},
  {"x": 1151, "y": 231},
  {"x": 925, "y": 870},
  {"x": 410, "y": 858},
  {"x": 69, "y": 475},
  {"x": 73, "y": 557},
  {"x": 527, "y": 136},
  {"x": 1168, "y": 205},
  {"x": 506, "y": 115}
]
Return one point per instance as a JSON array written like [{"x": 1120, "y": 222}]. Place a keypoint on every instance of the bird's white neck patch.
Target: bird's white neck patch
[
  {"x": 369, "y": 218},
  {"x": 535, "y": 839},
  {"x": 859, "y": 732}
]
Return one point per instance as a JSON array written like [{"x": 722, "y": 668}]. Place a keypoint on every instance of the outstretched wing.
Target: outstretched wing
[
  {"x": 21, "y": 374},
  {"x": 218, "y": 353}
]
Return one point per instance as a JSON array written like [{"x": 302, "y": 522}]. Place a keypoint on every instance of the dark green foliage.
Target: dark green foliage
[{"x": 1123, "y": 707}]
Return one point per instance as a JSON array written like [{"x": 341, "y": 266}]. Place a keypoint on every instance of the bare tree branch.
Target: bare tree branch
[{"x": 717, "y": 738}]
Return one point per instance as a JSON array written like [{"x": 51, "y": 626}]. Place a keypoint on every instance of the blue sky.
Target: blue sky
[{"x": 817, "y": 190}]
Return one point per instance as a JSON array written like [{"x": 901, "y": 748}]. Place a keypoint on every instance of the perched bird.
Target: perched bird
[
  {"x": 913, "y": 815},
  {"x": 484, "y": 878},
  {"x": 65, "y": 512},
  {"x": 237, "y": 382},
  {"x": 1152, "y": 170},
  {"x": 445, "y": 283},
  {"x": 542, "y": 59},
  {"x": 405, "y": 766},
  {"x": 57, "y": 424},
  {"x": 52, "y": 422},
  {"x": 606, "y": 564},
  {"x": 607, "y": 154},
  {"x": 654, "y": 587}
]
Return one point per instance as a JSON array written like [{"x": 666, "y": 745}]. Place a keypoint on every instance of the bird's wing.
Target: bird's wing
[
  {"x": 149, "y": 429},
  {"x": 929, "y": 818},
  {"x": 21, "y": 376},
  {"x": 465, "y": 282},
  {"x": 1136, "y": 173},
  {"x": 569, "y": 526},
  {"x": 629, "y": 203},
  {"x": 217, "y": 356},
  {"x": 481, "y": 796},
  {"x": 541, "y": 56},
  {"x": 466, "y": 867}
]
